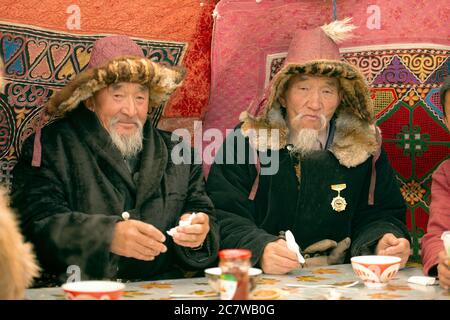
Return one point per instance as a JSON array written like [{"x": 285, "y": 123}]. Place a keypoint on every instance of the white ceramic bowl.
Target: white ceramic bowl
[
  {"x": 376, "y": 271},
  {"x": 93, "y": 290},
  {"x": 213, "y": 276}
]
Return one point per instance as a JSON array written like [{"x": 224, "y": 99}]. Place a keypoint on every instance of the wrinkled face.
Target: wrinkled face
[
  {"x": 120, "y": 107},
  {"x": 447, "y": 109},
  {"x": 310, "y": 101}
]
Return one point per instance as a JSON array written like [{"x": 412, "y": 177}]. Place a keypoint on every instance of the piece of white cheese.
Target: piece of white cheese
[
  {"x": 422, "y": 280},
  {"x": 181, "y": 223}
]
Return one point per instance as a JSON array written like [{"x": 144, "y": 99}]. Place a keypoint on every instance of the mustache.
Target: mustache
[
  {"x": 133, "y": 120},
  {"x": 323, "y": 120}
]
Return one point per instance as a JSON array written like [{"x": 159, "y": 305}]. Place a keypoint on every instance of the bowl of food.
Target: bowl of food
[
  {"x": 376, "y": 271},
  {"x": 213, "y": 276},
  {"x": 93, "y": 290}
]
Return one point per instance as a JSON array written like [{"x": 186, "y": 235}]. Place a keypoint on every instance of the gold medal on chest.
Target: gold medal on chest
[{"x": 338, "y": 203}]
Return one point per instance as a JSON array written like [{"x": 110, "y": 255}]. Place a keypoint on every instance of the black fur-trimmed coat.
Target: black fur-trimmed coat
[
  {"x": 283, "y": 202},
  {"x": 70, "y": 204}
]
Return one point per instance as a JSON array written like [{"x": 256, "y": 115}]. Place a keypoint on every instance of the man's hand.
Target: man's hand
[
  {"x": 444, "y": 270},
  {"x": 390, "y": 245},
  {"x": 137, "y": 239},
  {"x": 278, "y": 259},
  {"x": 193, "y": 235}
]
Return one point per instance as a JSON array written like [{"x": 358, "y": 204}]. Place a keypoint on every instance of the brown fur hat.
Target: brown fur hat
[
  {"x": 17, "y": 262},
  {"x": 315, "y": 52},
  {"x": 117, "y": 59}
]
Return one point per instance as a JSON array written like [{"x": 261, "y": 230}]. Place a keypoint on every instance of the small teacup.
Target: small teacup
[
  {"x": 376, "y": 271},
  {"x": 93, "y": 290}
]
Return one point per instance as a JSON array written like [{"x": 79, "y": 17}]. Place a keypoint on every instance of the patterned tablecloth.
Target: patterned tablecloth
[{"x": 198, "y": 288}]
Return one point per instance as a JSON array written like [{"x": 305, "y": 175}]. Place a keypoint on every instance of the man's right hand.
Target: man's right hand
[
  {"x": 136, "y": 239},
  {"x": 278, "y": 259}
]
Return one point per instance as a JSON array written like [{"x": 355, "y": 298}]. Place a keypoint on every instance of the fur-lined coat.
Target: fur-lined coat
[
  {"x": 300, "y": 200},
  {"x": 70, "y": 204}
]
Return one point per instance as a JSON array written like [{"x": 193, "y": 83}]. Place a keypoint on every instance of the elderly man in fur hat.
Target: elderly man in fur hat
[
  {"x": 334, "y": 189},
  {"x": 97, "y": 189}
]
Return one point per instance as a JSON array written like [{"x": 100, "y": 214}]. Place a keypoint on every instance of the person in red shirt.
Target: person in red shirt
[{"x": 436, "y": 261}]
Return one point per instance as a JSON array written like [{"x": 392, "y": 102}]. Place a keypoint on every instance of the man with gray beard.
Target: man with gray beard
[
  {"x": 334, "y": 188},
  {"x": 96, "y": 189},
  {"x": 306, "y": 140},
  {"x": 128, "y": 145}
]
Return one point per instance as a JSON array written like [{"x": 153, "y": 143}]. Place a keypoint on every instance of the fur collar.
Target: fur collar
[
  {"x": 355, "y": 140},
  {"x": 356, "y": 137}
]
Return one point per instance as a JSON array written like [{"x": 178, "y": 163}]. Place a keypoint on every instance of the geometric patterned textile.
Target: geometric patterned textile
[
  {"x": 405, "y": 90},
  {"x": 405, "y": 81},
  {"x": 39, "y": 61}
]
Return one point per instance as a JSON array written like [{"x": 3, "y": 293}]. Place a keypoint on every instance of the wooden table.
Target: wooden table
[{"x": 397, "y": 289}]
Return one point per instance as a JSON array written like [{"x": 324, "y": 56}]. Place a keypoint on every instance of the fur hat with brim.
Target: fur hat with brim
[
  {"x": 117, "y": 59},
  {"x": 315, "y": 52}
]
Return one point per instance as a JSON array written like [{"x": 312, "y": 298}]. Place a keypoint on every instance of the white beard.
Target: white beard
[
  {"x": 128, "y": 145},
  {"x": 306, "y": 140}
]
